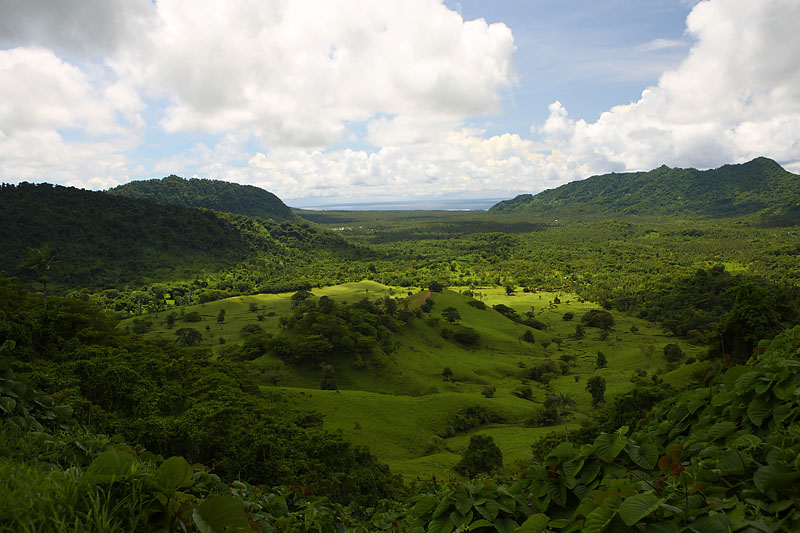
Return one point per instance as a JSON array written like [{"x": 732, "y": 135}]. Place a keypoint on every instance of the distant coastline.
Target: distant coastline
[{"x": 476, "y": 204}]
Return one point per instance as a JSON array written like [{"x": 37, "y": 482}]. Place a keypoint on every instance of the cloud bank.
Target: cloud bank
[{"x": 359, "y": 99}]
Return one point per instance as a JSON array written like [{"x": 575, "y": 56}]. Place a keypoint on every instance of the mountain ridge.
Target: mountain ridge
[
  {"x": 224, "y": 196},
  {"x": 759, "y": 187}
]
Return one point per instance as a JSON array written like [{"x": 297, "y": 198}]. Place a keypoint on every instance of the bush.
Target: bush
[
  {"x": 524, "y": 392},
  {"x": 251, "y": 329},
  {"x": 482, "y": 456},
  {"x": 569, "y": 315},
  {"x": 488, "y": 391},
  {"x": 528, "y": 336},
  {"x": 469, "y": 418},
  {"x": 477, "y": 304},
  {"x": 672, "y": 353},
  {"x": 192, "y": 316},
  {"x": 597, "y": 318},
  {"x": 466, "y": 336}
]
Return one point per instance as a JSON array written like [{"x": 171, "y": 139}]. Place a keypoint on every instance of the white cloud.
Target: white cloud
[
  {"x": 45, "y": 100},
  {"x": 733, "y": 98},
  {"x": 296, "y": 73}
]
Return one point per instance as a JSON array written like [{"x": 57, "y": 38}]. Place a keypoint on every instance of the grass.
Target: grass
[{"x": 402, "y": 407}]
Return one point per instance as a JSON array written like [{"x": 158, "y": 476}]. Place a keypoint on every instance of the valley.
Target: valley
[{"x": 579, "y": 365}]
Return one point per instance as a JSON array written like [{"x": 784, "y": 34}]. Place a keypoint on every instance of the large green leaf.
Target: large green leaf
[
  {"x": 710, "y": 524},
  {"x": 220, "y": 513},
  {"x": 745, "y": 381},
  {"x": 110, "y": 466},
  {"x": 598, "y": 519},
  {"x": 638, "y": 506},
  {"x": 608, "y": 446},
  {"x": 645, "y": 456},
  {"x": 7, "y": 404},
  {"x": 173, "y": 474},
  {"x": 732, "y": 375},
  {"x": 534, "y": 524},
  {"x": 425, "y": 505},
  {"x": 562, "y": 452},
  {"x": 720, "y": 429},
  {"x": 757, "y": 411}
]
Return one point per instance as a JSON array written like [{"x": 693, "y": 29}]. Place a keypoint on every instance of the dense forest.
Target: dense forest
[
  {"x": 760, "y": 187},
  {"x": 211, "y": 194},
  {"x": 631, "y": 366}
]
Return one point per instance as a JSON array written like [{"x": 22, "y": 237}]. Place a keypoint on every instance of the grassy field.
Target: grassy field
[{"x": 401, "y": 410}]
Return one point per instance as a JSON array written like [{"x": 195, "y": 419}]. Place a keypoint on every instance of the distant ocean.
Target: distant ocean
[{"x": 414, "y": 205}]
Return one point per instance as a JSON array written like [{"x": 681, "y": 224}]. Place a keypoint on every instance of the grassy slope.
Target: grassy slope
[{"x": 399, "y": 409}]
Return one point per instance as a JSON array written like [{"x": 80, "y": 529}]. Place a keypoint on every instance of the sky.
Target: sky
[{"x": 343, "y": 101}]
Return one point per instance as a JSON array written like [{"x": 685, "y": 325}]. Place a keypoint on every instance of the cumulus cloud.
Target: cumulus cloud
[
  {"x": 42, "y": 100},
  {"x": 297, "y": 73},
  {"x": 733, "y": 98},
  {"x": 78, "y": 27}
]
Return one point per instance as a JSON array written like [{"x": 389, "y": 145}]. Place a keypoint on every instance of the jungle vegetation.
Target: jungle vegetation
[{"x": 619, "y": 354}]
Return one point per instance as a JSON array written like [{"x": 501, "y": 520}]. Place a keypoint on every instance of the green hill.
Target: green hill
[
  {"x": 102, "y": 240},
  {"x": 760, "y": 187},
  {"x": 210, "y": 194}
]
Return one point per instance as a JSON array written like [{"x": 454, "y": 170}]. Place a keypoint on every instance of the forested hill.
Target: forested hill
[
  {"x": 760, "y": 187},
  {"x": 101, "y": 240},
  {"x": 211, "y": 194}
]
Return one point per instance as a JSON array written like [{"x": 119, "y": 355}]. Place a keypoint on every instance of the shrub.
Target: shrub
[
  {"x": 466, "y": 336},
  {"x": 477, "y": 304},
  {"x": 672, "y": 353},
  {"x": 528, "y": 336},
  {"x": 569, "y": 315},
  {"x": 482, "y": 456},
  {"x": 251, "y": 329},
  {"x": 488, "y": 391},
  {"x": 192, "y": 316},
  {"x": 524, "y": 392},
  {"x": 597, "y": 318}
]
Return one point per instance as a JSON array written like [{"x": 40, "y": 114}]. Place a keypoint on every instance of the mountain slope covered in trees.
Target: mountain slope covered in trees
[
  {"x": 210, "y": 194},
  {"x": 100, "y": 240},
  {"x": 760, "y": 187}
]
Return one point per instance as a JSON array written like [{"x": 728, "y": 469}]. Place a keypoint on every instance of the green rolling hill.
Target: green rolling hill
[
  {"x": 102, "y": 240},
  {"x": 210, "y": 194},
  {"x": 760, "y": 187}
]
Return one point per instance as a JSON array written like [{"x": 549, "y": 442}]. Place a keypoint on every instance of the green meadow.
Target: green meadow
[{"x": 401, "y": 409}]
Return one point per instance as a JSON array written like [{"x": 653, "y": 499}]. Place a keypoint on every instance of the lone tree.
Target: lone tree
[
  {"x": 300, "y": 297},
  {"x": 221, "y": 317},
  {"x": 447, "y": 374},
  {"x": 597, "y": 388},
  {"x": 601, "y": 360},
  {"x": 647, "y": 351},
  {"x": 482, "y": 456},
  {"x": 435, "y": 286},
  {"x": 43, "y": 260},
  {"x": 562, "y": 404},
  {"x": 451, "y": 314},
  {"x": 188, "y": 336},
  {"x": 673, "y": 353}
]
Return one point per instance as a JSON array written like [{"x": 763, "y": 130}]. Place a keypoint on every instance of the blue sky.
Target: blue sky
[{"x": 326, "y": 102}]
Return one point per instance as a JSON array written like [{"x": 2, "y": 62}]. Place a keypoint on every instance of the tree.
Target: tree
[
  {"x": 447, "y": 374},
  {"x": 482, "y": 456},
  {"x": 597, "y": 318},
  {"x": 562, "y": 404},
  {"x": 647, "y": 351},
  {"x": 435, "y": 286},
  {"x": 510, "y": 290},
  {"x": 528, "y": 336},
  {"x": 597, "y": 388},
  {"x": 451, "y": 314},
  {"x": 672, "y": 353},
  {"x": 300, "y": 297},
  {"x": 188, "y": 336},
  {"x": 601, "y": 360},
  {"x": 43, "y": 260},
  {"x": 221, "y": 317}
]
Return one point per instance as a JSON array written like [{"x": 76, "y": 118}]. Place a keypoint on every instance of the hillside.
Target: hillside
[
  {"x": 760, "y": 187},
  {"x": 101, "y": 240},
  {"x": 210, "y": 194}
]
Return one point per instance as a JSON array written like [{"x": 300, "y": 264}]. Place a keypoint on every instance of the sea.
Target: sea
[{"x": 481, "y": 204}]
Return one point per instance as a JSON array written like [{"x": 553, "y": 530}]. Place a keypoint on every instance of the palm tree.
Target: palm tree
[
  {"x": 43, "y": 260},
  {"x": 563, "y": 404}
]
